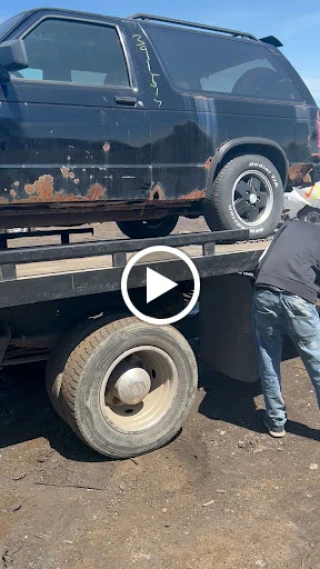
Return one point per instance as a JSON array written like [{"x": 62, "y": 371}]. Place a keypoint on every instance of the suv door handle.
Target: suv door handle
[{"x": 131, "y": 101}]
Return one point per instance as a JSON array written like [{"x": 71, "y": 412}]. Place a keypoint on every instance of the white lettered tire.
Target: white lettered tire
[{"x": 246, "y": 194}]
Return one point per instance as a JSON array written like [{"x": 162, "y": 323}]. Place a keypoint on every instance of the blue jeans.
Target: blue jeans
[{"x": 276, "y": 314}]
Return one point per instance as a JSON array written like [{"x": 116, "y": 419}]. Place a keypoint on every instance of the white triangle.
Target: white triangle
[{"x": 157, "y": 285}]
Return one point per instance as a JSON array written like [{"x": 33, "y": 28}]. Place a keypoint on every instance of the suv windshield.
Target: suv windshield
[{"x": 8, "y": 25}]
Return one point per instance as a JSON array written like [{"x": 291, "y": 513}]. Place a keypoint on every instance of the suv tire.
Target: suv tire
[
  {"x": 246, "y": 194},
  {"x": 148, "y": 228}
]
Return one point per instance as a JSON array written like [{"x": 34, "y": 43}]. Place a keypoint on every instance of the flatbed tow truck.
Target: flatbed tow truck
[{"x": 124, "y": 386}]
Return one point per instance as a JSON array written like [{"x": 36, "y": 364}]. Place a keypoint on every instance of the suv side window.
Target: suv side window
[
  {"x": 205, "y": 63},
  {"x": 75, "y": 52}
]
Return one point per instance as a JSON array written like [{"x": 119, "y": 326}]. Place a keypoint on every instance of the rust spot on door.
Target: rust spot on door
[
  {"x": 44, "y": 187},
  {"x": 156, "y": 193},
  {"x": 41, "y": 189},
  {"x": 208, "y": 163},
  {"x": 195, "y": 195},
  {"x": 65, "y": 172},
  {"x": 30, "y": 189},
  {"x": 96, "y": 192}
]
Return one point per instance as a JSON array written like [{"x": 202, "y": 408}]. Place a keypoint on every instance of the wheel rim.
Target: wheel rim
[
  {"x": 313, "y": 217},
  {"x": 138, "y": 389},
  {"x": 252, "y": 198}
]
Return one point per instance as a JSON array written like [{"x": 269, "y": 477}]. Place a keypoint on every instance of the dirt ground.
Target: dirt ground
[{"x": 222, "y": 495}]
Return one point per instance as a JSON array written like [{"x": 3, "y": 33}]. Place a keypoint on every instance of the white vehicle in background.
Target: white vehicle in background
[{"x": 303, "y": 203}]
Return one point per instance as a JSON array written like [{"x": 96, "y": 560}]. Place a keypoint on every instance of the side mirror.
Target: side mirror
[{"x": 13, "y": 56}]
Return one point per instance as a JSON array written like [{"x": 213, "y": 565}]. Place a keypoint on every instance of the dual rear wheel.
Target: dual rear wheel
[{"x": 124, "y": 387}]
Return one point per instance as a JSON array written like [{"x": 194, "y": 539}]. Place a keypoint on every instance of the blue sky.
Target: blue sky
[{"x": 296, "y": 25}]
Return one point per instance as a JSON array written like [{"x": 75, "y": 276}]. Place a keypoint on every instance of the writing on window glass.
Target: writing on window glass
[{"x": 141, "y": 44}]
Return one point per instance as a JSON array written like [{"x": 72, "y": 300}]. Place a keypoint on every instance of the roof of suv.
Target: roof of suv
[{"x": 271, "y": 40}]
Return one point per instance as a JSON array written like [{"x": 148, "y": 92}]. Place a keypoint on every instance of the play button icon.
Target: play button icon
[
  {"x": 159, "y": 288},
  {"x": 157, "y": 285}
]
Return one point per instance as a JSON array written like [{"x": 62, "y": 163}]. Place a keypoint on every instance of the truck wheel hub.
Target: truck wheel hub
[{"x": 132, "y": 383}]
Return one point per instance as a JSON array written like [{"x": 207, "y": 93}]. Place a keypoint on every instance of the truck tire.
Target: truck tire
[
  {"x": 246, "y": 194},
  {"x": 61, "y": 351},
  {"x": 128, "y": 387},
  {"x": 148, "y": 228}
]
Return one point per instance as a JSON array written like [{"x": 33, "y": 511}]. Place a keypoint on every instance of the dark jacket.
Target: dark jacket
[{"x": 292, "y": 261}]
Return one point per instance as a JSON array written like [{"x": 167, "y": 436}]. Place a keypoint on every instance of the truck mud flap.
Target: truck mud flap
[{"x": 226, "y": 337}]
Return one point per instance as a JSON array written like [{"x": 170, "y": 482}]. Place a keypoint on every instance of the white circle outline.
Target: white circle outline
[{"x": 160, "y": 249}]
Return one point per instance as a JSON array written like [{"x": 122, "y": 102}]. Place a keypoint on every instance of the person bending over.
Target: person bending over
[{"x": 284, "y": 302}]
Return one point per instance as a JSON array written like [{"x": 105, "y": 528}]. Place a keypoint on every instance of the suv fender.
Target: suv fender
[{"x": 249, "y": 145}]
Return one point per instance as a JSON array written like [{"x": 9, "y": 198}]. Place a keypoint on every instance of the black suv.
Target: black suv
[{"x": 143, "y": 119}]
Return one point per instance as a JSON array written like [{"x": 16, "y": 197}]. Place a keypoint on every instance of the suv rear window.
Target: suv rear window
[{"x": 206, "y": 63}]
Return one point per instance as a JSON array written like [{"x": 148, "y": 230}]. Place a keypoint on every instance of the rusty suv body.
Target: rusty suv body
[{"x": 132, "y": 119}]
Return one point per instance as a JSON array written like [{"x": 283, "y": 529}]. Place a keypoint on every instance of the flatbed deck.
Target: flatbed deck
[
  {"x": 104, "y": 262},
  {"x": 47, "y": 272}
]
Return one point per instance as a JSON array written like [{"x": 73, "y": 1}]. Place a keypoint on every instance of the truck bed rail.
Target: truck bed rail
[
  {"x": 116, "y": 246},
  {"x": 25, "y": 290}
]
